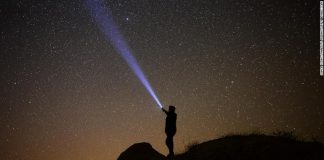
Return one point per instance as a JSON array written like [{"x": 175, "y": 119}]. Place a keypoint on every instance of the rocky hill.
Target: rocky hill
[{"x": 236, "y": 147}]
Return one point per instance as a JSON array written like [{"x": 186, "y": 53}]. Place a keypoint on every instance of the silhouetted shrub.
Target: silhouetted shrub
[
  {"x": 192, "y": 146},
  {"x": 285, "y": 134}
]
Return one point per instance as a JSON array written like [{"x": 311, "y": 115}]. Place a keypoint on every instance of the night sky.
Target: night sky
[{"x": 227, "y": 66}]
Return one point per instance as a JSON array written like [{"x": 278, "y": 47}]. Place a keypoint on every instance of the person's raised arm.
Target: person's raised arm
[{"x": 165, "y": 111}]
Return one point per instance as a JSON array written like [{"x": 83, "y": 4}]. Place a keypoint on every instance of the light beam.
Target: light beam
[{"x": 105, "y": 23}]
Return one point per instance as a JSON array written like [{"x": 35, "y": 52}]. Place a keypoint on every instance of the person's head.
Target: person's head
[{"x": 171, "y": 109}]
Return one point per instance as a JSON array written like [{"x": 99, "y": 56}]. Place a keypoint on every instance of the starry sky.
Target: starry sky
[{"x": 228, "y": 67}]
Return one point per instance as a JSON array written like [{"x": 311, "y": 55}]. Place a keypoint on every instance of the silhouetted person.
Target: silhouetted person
[{"x": 170, "y": 128}]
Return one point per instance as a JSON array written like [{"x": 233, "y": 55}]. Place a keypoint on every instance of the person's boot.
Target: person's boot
[{"x": 170, "y": 156}]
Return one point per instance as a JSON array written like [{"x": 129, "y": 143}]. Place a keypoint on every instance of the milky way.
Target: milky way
[{"x": 227, "y": 66}]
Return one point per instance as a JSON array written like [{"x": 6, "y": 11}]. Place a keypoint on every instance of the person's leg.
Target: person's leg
[
  {"x": 169, "y": 143},
  {"x": 171, "y": 146}
]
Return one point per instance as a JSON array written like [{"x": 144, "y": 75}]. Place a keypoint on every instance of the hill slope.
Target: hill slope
[
  {"x": 239, "y": 147},
  {"x": 250, "y": 147}
]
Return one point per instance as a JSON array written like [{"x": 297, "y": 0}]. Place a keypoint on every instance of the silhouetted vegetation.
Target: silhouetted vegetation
[
  {"x": 192, "y": 146},
  {"x": 286, "y": 134}
]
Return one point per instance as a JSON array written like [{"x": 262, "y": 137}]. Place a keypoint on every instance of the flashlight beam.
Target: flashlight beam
[{"x": 106, "y": 25}]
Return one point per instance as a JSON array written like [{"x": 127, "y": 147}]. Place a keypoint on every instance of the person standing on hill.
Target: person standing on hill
[{"x": 170, "y": 128}]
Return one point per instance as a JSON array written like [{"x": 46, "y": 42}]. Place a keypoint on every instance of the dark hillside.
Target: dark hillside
[{"x": 237, "y": 147}]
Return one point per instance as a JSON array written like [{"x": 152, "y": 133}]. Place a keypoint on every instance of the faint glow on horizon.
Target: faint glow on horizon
[{"x": 105, "y": 22}]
